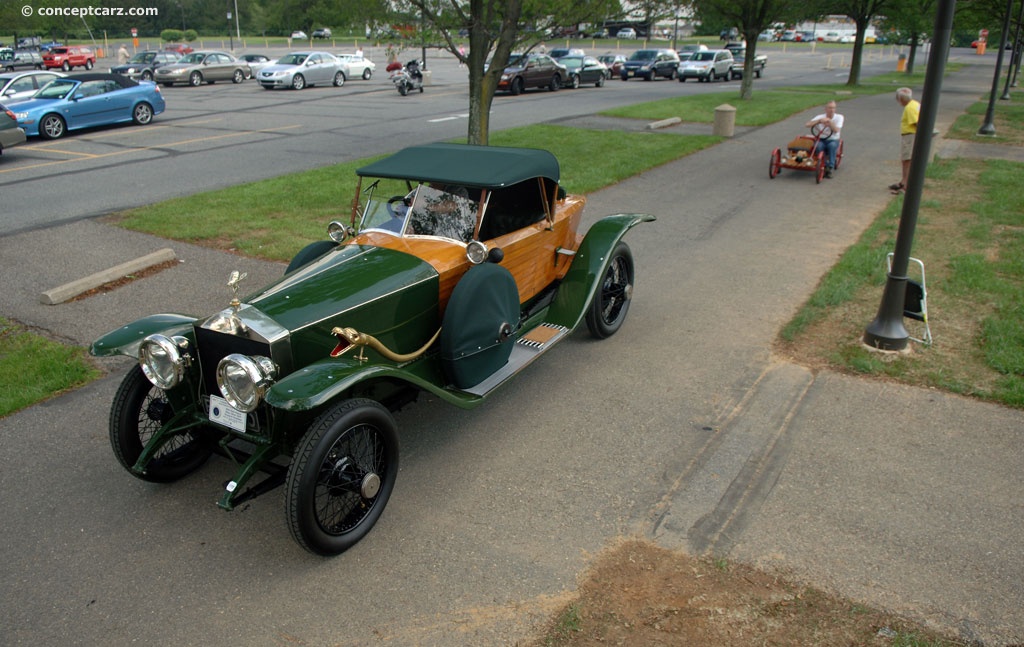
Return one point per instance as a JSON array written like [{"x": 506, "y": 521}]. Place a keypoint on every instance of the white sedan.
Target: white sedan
[{"x": 358, "y": 66}]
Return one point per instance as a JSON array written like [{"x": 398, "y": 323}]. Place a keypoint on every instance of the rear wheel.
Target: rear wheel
[
  {"x": 341, "y": 476},
  {"x": 599, "y": 82},
  {"x": 238, "y": 76},
  {"x": 142, "y": 114},
  {"x": 774, "y": 163},
  {"x": 556, "y": 82},
  {"x": 574, "y": 81},
  {"x": 610, "y": 303}
]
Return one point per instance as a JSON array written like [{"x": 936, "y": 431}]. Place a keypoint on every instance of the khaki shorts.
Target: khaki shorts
[{"x": 906, "y": 147}]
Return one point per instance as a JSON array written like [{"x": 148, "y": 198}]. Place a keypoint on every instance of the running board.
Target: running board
[{"x": 526, "y": 349}]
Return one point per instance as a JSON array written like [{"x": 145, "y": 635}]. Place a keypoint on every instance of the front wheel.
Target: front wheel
[
  {"x": 341, "y": 476},
  {"x": 298, "y": 82},
  {"x": 403, "y": 89},
  {"x": 517, "y": 86},
  {"x": 66, "y": 66},
  {"x": 610, "y": 303},
  {"x": 195, "y": 79},
  {"x": 147, "y": 75},
  {"x": 52, "y": 127},
  {"x": 139, "y": 411},
  {"x": 367, "y": 73},
  {"x": 774, "y": 163},
  {"x": 88, "y": 65},
  {"x": 820, "y": 174}
]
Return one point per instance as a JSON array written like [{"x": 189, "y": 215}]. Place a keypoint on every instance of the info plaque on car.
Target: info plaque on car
[{"x": 224, "y": 414}]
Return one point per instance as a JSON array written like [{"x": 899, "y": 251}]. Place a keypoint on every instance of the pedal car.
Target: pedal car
[
  {"x": 459, "y": 266},
  {"x": 800, "y": 155}
]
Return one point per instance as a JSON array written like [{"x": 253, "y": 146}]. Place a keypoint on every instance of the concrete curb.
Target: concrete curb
[
  {"x": 664, "y": 123},
  {"x": 71, "y": 290}
]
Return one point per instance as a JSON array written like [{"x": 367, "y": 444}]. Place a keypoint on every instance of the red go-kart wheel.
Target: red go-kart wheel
[
  {"x": 774, "y": 163},
  {"x": 821, "y": 167},
  {"x": 839, "y": 153}
]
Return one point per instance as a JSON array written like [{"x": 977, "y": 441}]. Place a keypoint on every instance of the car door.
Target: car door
[
  {"x": 91, "y": 104},
  {"x": 316, "y": 69},
  {"x": 215, "y": 67}
]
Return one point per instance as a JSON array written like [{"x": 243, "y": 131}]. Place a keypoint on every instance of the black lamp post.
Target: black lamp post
[{"x": 886, "y": 332}]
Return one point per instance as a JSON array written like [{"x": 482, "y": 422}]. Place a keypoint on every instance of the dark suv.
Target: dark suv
[
  {"x": 532, "y": 71},
  {"x": 649, "y": 64}
]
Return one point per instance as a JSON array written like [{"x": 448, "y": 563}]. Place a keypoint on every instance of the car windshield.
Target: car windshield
[
  {"x": 56, "y": 89},
  {"x": 424, "y": 211},
  {"x": 572, "y": 61},
  {"x": 704, "y": 56},
  {"x": 59, "y": 50},
  {"x": 643, "y": 55},
  {"x": 191, "y": 59},
  {"x": 142, "y": 57},
  {"x": 517, "y": 60},
  {"x": 292, "y": 59}
]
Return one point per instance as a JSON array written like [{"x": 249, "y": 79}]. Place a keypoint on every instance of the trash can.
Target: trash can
[
  {"x": 981, "y": 47},
  {"x": 901, "y": 63},
  {"x": 725, "y": 121}
]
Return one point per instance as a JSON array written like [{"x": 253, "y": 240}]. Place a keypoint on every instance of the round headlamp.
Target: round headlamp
[
  {"x": 338, "y": 232},
  {"x": 243, "y": 380},
  {"x": 162, "y": 361},
  {"x": 476, "y": 252}
]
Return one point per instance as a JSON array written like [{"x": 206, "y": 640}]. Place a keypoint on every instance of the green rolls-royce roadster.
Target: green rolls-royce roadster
[{"x": 459, "y": 266}]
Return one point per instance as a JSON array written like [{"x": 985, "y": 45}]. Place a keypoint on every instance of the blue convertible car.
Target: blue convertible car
[{"x": 86, "y": 100}]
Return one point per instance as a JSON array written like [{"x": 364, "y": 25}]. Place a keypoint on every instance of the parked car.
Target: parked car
[
  {"x": 559, "y": 52},
  {"x": 86, "y": 100},
  {"x": 531, "y": 71},
  {"x": 70, "y": 57},
  {"x": 649, "y": 64},
  {"x": 358, "y": 65},
  {"x": 18, "y": 86},
  {"x": 298, "y": 34},
  {"x": 684, "y": 56},
  {"x": 846, "y": 39},
  {"x": 739, "y": 60},
  {"x": 788, "y": 36},
  {"x": 256, "y": 63},
  {"x": 203, "y": 66},
  {"x": 142, "y": 65},
  {"x": 698, "y": 47},
  {"x": 322, "y": 33},
  {"x": 12, "y": 60},
  {"x": 10, "y": 133},
  {"x": 458, "y": 267},
  {"x": 805, "y": 36},
  {"x": 707, "y": 66},
  {"x": 613, "y": 63},
  {"x": 626, "y": 33},
  {"x": 830, "y": 37},
  {"x": 583, "y": 70},
  {"x": 178, "y": 48},
  {"x": 298, "y": 70}
]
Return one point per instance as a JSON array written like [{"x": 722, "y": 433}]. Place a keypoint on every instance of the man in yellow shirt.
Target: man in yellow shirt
[{"x": 908, "y": 129}]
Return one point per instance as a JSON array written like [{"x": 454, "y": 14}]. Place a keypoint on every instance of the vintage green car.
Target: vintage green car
[{"x": 459, "y": 267}]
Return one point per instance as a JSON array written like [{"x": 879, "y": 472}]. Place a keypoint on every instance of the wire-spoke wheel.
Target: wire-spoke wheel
[
  {"x": 139, "y": 411},
  {"x": 341, "y": 476},
  {"x": 610, "y": 302}
]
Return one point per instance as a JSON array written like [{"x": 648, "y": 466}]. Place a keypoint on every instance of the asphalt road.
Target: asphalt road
[{"x": 221, "y": 135}]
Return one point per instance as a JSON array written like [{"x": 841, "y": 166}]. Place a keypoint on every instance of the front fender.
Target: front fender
[
  {"x": 127, "y": 339},
  {"x": 588, "y": 266}
]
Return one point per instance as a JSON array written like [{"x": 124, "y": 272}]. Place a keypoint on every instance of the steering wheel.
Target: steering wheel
[
  {"x": 394, "y": 199},
  {"x": 821, "y": 131}
]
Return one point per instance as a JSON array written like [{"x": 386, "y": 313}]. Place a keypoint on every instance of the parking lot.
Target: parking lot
[{"x": 224, "y": 134}]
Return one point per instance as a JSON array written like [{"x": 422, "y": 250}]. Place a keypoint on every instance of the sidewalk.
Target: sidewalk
[{"x": 903, "y": 498}]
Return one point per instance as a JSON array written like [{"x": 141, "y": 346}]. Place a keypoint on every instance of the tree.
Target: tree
[
  {"x": 496, "y": 28},
  {"x": 861, "y": 12},
  {"x": 912, "y": 19},
  {"x": 751, "y": 17}
]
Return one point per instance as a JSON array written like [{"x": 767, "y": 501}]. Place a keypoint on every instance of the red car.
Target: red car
[
  {"x": 179, "y": 48},
  {"x": 70, "y": 57}
]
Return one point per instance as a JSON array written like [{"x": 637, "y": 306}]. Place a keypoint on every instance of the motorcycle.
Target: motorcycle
[{"x": 407, "y": 78}]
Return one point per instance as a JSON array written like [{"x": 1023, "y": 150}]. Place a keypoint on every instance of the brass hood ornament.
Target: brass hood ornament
[{"x": 227, "y": 321}]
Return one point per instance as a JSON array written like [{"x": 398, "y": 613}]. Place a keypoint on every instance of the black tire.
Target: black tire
[
  {"x": 574, "y": 81},
  {"x": 517, "y": 86},
  {"x": 367, "y": 73},
  {"x": 341, "y": 476},
  {"x": 610, "y": 304},
  {"x": 672, "y": 75},
  {"x": 556, "y": 82},
  {"x": 142, "y": 113},
  {"x": 298, "y": 82},
  {"x": 757, "y": 73},
  {"x": 599, "y": 83},
  {"x": 238, "y": 76},
  {"x": 88, "y": 65},
  {"x": 682, "y": 79},
  {"x": 339, "y": 79},
  {"x": 52, "y": 126},
  {"x": 310, "y": 253},
  {"x": 195, "y": 79},
  {"x": 66, "y": 66},
  {"x": 147, "y": 75},
  {"x": 403, "y": 89},
  {"x": 138, "y": 412}
]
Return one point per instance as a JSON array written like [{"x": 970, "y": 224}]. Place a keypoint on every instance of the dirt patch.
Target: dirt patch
[
  {"x": 110, "y": 286},
  {"x": 640, "y": 594}
]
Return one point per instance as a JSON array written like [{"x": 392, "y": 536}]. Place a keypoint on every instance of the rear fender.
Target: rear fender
[
  {"x": 127, "y": 339},
  {"x": 588, "y": 266}
]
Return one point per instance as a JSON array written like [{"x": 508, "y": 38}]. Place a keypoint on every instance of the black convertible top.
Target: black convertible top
[{"x": 123, "y": 81}]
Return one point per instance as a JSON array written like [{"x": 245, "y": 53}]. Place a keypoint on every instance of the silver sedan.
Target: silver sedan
[
  {"x": 203, "y": 67},
  {"x": 300, "y": 69}
]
